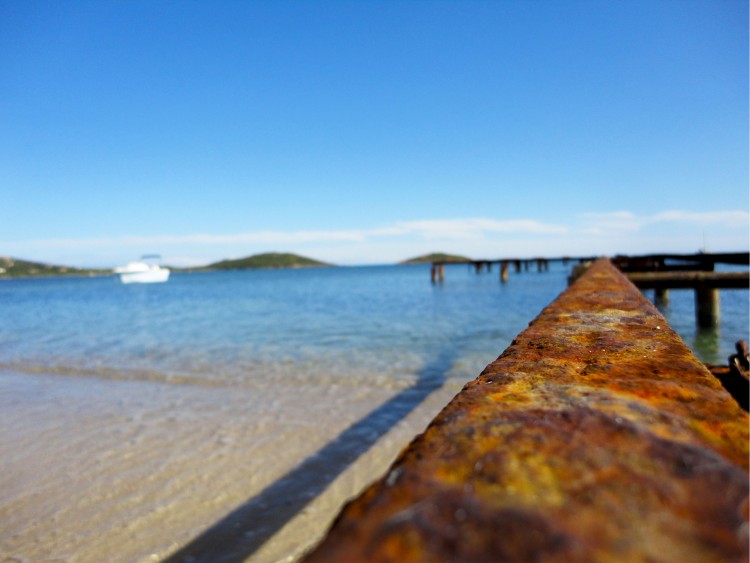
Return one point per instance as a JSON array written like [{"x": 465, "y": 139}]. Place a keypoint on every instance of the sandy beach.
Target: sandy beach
[{"x": 136, "y": 477}]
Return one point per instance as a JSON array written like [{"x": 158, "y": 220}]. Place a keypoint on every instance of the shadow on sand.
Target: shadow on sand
[{"x": 239, "y": 534}]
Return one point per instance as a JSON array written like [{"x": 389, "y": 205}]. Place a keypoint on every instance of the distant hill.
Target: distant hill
[
  {"x": 15, "y": 268},
  {"x": 267, "y": 260},
  {"x": 435, "y": 257}
]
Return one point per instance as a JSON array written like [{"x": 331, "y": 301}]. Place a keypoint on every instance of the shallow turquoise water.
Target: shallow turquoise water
[{"x": 386, "y": 323}]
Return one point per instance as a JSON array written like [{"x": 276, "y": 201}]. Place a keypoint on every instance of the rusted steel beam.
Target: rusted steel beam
[
  {"x": 703, "y": 260},
  {"x": 689, "y": 280},
  {"x": 735, "y": 376},
  {"x": 735, "y": 382},
  {"x": 596, "y": 436},
  {"x": 649, "y": 265},
  {"x": 739, "y": 258}
]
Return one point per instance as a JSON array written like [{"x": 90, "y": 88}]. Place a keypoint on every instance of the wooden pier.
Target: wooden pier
[
  {"x": 705, "y": 284},
  {"x": 437, "y": 272},
  {"x": 660, "y": 272},
  {"x": 596, "y": 436},
  {"x": 674, "y": 262}
]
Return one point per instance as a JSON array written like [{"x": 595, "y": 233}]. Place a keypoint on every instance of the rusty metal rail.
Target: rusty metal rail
[{"x": 597, "y": 435}]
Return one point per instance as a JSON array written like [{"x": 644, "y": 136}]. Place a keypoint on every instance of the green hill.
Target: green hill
[
  {"x": 15, "y": 268},
  {"x": 267, "y": 260},
  {"x": 436, "y": 257}
]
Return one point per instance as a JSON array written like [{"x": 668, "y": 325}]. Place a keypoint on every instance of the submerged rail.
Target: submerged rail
[{"x": 597, "y": 435}]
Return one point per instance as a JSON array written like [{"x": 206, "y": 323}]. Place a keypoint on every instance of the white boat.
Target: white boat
[{"x": 143, "y": 271}]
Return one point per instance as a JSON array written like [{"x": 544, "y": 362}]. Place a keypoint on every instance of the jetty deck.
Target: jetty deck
[
  {"x": 660, "y": 272},
  {"x": 596, "y": 436},
  {"x": 690, "y": 280},
  {"x": 670, "y": 271}
]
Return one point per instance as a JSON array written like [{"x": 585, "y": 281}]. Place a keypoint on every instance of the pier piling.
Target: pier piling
[
  {"x": 661, "y": 297},
  {"x": 437, "y": 272},
  {"x": 707, "y": 306}
]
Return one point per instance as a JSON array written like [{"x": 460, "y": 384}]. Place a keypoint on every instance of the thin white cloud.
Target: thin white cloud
[
  {"x": 453, "y": 229},
  {"x": 448, "y": 229},
  {"x": 589, "y": 233},
  {"x": 256, "y": 237},
  {"x": 619, "y": 222},
  {"x": 615, "y": 221},
  {"x": 734, "y": 218}
]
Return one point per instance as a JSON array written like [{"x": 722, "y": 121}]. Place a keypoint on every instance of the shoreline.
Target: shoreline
[
  {"x": 154, "y": 465},
  {"x": 56, "y": 276}
]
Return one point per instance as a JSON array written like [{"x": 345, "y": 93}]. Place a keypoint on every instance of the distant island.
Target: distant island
[
  {"x": 436, "y": 257},
  {"x": 267, "y": 260},
  {"x": 15, "y": 268}
]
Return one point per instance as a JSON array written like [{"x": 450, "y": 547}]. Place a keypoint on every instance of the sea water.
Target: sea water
[
  {"x": 225, "y": 328},
  {"x": 135, "y": 417}
]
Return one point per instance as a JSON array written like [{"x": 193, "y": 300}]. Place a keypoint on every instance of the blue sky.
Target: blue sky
[{"x": 369, "y": 132}]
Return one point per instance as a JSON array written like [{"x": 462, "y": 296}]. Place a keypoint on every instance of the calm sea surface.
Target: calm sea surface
[
  {"x": 143, "y": 422},
  {"x": 225, "y": 327}
]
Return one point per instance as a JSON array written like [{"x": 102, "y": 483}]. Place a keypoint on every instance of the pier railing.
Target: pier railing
[{"x": 596, "y": 436}]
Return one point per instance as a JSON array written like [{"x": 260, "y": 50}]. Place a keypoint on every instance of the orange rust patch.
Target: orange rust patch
[{"x": 596, "y": 435}]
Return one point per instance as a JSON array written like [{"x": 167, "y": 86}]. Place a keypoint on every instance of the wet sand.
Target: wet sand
[{"x": 98, "y": 470}]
